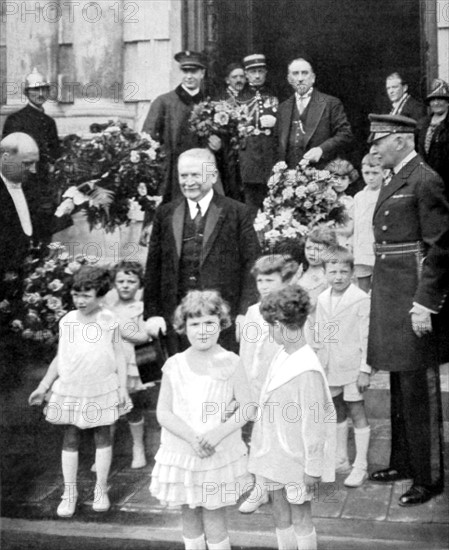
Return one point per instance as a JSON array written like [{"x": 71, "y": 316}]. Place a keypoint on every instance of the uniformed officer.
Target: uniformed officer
[
  {"x": 33, "y": 120},
  {"x": 409, "y": 305},
  {"x": 257, "y": 157}
]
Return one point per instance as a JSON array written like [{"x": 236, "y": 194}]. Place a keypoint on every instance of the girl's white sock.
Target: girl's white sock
[
  {"x": 307, "y": 542},
  {"x": 286, "y": 538},
  {"x": 361, "y": 436},
  {"x": 223, "y": 545},
  {"x": 342, "y": 443},
  {"x": 69, "y": 460},
  {"x": 195, "y": 544},
  {"x": 103, "y": 459}
]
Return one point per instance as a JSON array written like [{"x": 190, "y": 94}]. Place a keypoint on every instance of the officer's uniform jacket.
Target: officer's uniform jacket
[
  {"x": 411, "y": 231},
  {"x": 257, "y": 156}
]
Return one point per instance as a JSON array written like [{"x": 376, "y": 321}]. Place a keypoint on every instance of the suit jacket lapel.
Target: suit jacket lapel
[
  {"x": 214, "y": 215},
  {"x": 316, "y": 109},
  {"x": 397, "y": 182},
  {"x": 178, "y": 225},
  {"x": 286, "y": 123}
]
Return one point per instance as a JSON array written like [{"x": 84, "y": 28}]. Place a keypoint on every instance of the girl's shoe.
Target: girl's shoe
[
  {"x": 253, "y": 501},
  {"x": 101, "y": 503},
  {"x": 356, "y": 478},
  {"x": 139, "y": 459},
  {"x": 67, "y": 506},
  {"x": 343, "y": 468}
]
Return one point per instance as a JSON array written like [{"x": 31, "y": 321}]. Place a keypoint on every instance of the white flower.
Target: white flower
[
  {"x": 300, "y": 192},
  {"x": 312, "y": 187},
  {"x": 221, "y": 118},
  {"x": 5, "y": 306},
  {"x": 72, "y": 268},
  {"x": 288, "y": 193},
  {"x": 261, "y": 221},
  {"x": 134, "y": 157},
  {"x": 151, "y": 153},
  {"x": 16, "y": 325},
  {"x": 53, "y": 302},
  {"x": 55, "y": 285},
  {"x": 289, "y": 232},
  {"x": 56, "y": 245},
  {"x": 112, "y": 130},
  {"x": 307, "y": 205},
  {"x": 49, "y": 265},
  {"x": 322, "y": 174},
  {"x": 279, "y": 167},
  {"x": 66, "y": 207},
  {"x": 32, "y": 298},
  {"x": 272, "y": 235}
]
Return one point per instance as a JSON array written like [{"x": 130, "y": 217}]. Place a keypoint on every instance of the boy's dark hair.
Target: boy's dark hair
[
  {"x": 370, "y": 160},
  {"x": 198, "y": 303},
  {"x": 129, "y": 267},
  {"x": 339, "y": 255},
  {"x": 275, "y": 263},
  {"x": 289, "y": 305},
  {"x": 92, "y": 277}
]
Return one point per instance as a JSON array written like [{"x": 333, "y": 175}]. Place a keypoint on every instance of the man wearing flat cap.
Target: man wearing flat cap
[
  {"x": 168, "y": 118},
  {"x": 409, "y": 305},
  {"x": 310, "y": 124},
  {"x": 257, "y": 156},
  {"x": 33, "y": 120}
]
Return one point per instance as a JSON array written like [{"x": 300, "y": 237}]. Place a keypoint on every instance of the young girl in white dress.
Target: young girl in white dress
[
  {"x": 201, "y": 464},
  {"x": 310, "y": 275},
  {"x": 293, "y": 442},
  {"x": 87, "y": 383}
]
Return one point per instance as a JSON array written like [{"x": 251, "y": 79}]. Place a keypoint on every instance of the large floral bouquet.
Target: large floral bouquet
[
  {"x": 46, "y": 294},
  {"x": 297, "y": 200},
  {"x": 105, "y": 174},
  {"x": 222, "y": 119}
]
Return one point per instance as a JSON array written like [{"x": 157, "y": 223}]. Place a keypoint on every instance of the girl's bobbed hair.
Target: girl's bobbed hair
[
  {"x": 343, "y": 167},
  {"x": 289, "y": 305},
  {"x": 90, "y": 277},
  {"x": 198, "y": 303},
  {"x": 130, "y": 267}
]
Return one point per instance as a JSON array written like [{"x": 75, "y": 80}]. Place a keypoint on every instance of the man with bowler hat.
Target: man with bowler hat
[
  {"x": 409, "y": 313},
  {"x": 33, "y": 120},
  {"x": 257, "y": 156},
  {"x": 168, "y": 118}
]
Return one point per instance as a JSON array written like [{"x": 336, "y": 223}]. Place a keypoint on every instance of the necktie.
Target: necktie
[
  {"x": 301, "y": 104},
  {"x": 197, "y": 219}
]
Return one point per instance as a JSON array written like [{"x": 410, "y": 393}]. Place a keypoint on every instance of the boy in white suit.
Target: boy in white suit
[{"x": 342, "y": 321}]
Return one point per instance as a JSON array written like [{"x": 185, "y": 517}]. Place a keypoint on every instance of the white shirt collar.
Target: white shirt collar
[
  {"x": 40, "y": 109},
  {"x": 190, "y": 92},
  {"x": 405, "y": 161},
  {"x": 204, "y": 204},
  {"x": 10, "y": 184}
]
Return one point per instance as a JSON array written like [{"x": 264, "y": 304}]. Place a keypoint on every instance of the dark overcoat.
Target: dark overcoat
[
  {"x": 413, "y": 108},
  {"x": 230, "y": 248},
  {"x": 168, "y": 123},
  {"x": 411, "y": 208},
  {"x": 257, "y": 155},
  {"x": 438, "y": 155},
  {"x": 328, "y": 128}
]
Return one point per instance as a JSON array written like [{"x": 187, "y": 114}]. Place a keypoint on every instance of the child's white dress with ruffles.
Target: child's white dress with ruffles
[
  {"x": 85, "y": 394},
  {"x": 180, "y": 476}
]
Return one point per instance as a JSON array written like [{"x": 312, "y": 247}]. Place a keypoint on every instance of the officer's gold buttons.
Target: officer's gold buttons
[{"x": 384, "y": 228}]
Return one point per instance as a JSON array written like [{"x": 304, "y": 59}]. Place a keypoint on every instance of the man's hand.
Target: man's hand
[
  {"x": 314, "y": 155},
  {"x": 421, "y": 321},
  {"x": 363, "y": 381},
  {"x": 155, "y": 324},
  {"x": 214, "y": 143},
  {"x": 267, "y": 121},
  {"x": 239, "y": 322}
]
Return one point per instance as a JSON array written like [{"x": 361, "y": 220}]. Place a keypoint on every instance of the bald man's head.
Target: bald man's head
[{"x": 18, "y": 156}]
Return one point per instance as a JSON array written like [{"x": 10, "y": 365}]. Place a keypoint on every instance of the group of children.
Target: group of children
[{"x": 301, "y": 372}]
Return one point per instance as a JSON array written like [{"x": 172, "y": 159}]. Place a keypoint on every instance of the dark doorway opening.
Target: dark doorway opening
[{"x": 354, "y": 45}]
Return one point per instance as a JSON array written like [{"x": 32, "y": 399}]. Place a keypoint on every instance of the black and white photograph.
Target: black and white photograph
[{"x": 224, "y": 274}]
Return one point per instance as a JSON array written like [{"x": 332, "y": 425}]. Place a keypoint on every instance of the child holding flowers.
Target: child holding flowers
[{"x": 87, "y": 380}]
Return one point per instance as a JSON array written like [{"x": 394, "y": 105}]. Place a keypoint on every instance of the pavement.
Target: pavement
[{"x": 367, "y": 517}]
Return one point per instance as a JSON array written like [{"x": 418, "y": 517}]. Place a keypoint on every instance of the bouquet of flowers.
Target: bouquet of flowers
[
  {"x": 46, "y": 294},
  {"x": 297, "y": 200},
  {"x": 222, "y": 119},
  {"x": 104, "y": 174}
]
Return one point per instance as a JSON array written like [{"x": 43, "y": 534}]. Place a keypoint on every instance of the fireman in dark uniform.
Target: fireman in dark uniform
[
  {"x": 33, "y": 120},
  {"x": 257, "y": 157},
  {"x": 409, "y": 305}
]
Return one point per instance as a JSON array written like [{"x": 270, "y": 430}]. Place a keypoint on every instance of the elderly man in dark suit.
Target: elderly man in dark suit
[
  {"x": 310, "y": 124},
  {"x": 201, "y": 241},
  {"x": 409, "y": 313},
  {"x": 402, "y": 103},
  {"x": 19, "y": 154},
  {"x": 33, "y": 120}
]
